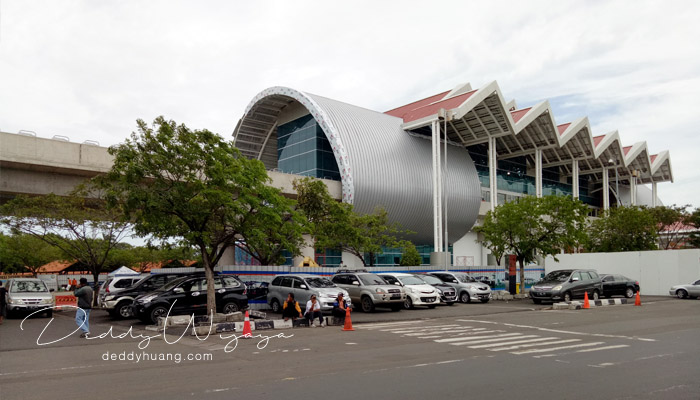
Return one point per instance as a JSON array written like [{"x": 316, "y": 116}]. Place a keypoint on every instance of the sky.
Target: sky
[{"x": 87, "y": 69}]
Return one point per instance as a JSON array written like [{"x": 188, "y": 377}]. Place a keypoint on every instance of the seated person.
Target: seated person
[
  {"x": 313, "y": 310},
  {"x": 339, "y": 307},
  {"x": 290, "y": 308}
]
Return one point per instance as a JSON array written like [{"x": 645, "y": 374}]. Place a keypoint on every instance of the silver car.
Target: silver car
[
  {"x": 303, "y": 286},
  {"x": 370, "y": 290},
  {"x": 468, "y": 288},
  {"x": 691, "y": 290},
  {"x": 27, "y": 295}
]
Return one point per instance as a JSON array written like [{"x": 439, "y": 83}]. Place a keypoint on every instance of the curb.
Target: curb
[
  {"x": 202, "y": 328},
  {"x": 578, "y": 305}
]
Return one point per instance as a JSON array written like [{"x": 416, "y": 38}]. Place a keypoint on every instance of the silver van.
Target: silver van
[
  {"x": 303, "y": 286},
  {"x": 26, "y": 295}
]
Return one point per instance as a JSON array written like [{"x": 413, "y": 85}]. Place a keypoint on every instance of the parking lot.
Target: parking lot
[{"x": 495, "y": 349}]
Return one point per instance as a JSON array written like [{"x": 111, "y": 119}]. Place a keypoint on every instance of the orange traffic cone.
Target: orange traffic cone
[
  {"x": 638, "y": 300},
  {"x": 586, "y": 304},
  {"x": 348, "y": 322},
  {"x": 247, "y": 332}
]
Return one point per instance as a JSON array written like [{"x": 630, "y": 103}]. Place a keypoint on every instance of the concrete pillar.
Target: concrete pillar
[
  {"x": 606, "y": 189},
  {"x": 493, "y": 177},
  {"x": 538, "y": 172},
  {"x": 229, "y": 257},
  {"x": 306, "y": 251},
  {"x": 574, "y": 180},
  {"x": 633, "y": 188},
  {"x": 437, "y": 187},
  {"x": 653, "y": 194}
]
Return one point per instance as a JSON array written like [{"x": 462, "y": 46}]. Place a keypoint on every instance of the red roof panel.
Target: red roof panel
[
  {"x": 597, "y": 140},
  {"x": 563, "y": 127},
  {"x": 653, "y": 157},
  {"x": 518, "y": 114},
  {"x": 626, "y": 149},
  {"x": 433, "y": 108},
  {"x": 403, "y": 110}
]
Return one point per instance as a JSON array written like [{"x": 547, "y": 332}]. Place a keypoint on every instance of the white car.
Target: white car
[
  {"x": 418, "y": 293},
  {"x": 467, "y": 288},
  {"x": 691, "y": 290}
]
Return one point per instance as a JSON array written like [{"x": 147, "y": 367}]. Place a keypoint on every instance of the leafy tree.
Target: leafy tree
[
  {"x": 410, "y": 255},
  {"x": 8, "y": 262},
  {"x": 29, "y": 253},
  {"x": 78, "y": 225},
  {"x": 624, "y": 229},
  {"x": 534, "y": 226},
  {"x": 694, "y": 221},
  {"x": 671, "y": 223},
  {"x": 335, "y": 225},
  {"x": 174, "y": 182}
]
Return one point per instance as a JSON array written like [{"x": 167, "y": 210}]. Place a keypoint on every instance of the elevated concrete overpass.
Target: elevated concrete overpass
[{"x": 38, "y": 166}]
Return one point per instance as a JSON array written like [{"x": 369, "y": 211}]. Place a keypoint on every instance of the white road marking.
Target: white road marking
[
  {"x": 422, "y": 328},
  {"x": 491, "y": 340},
  {"x": 557, "y": 348},
  {"x": 384, "y": 324},
  {"x": 461, "y": 339},
  {"x": 538, "y": 339},
  {"x": 536, "y": 344},
  {"x": 603, "y": 348},
  {"x": 557, "y": 330},
  {"x": 445, "y": 331}
]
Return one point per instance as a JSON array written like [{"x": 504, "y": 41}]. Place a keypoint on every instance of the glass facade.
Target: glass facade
[{"x": 303, "y": 149}]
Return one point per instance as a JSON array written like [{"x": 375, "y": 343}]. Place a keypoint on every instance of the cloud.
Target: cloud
[{"x": 88, "y": 70}]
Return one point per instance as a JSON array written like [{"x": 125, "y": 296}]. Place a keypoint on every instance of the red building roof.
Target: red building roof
[
  {"x": 598, "y": 139},
  {"x": 403, "y": 110},
  {"x": 433, "y": 108},
  {"x": 518, "y": 114},
  {"x": 563, "y": 127},
  {"x": 626, "y": 149},
  {"x": 653, "y": 157}
]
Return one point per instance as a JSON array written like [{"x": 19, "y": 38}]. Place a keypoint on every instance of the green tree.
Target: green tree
[
  {"x": 534, "y": 226},
  {"x": 694, "y": 221},
  {"x": 77, "y": 224},
  {"x": 174, "y": 182},
  {"x": 671, "y": 223},
  {"x": 624, "y": 229},
  {"x": 29, "y": 252},
  {"x": 410, "y": 255},
  {"x": 336, "y": 225}
]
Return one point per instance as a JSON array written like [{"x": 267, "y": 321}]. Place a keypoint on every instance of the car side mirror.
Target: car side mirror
[
  {"x": 574, "y": 279},
  {"x": 52, "y": 290},
  {"x": 356, "y": 283},
  {"x": 454, "y": 281},
  {"x": 179, "y": 290},
  {"x": 303, "y": 286},
  {"x": 398, "y": 284}
]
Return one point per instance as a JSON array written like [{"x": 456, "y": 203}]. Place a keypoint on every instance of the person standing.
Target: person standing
[
  {"x": 290, "y": 308},
  {"x": 82, "y": 314},
  {"x": 313, "y": 310},
  {"x": 3, "y": 306}
]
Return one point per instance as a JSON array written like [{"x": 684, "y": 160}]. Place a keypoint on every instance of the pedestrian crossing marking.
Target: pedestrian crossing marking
[
  {"x": 492, "y": 340},
  {"x": 538, "y": 339},
  {"x": 557, "y": 348},
  {"x": 536, "y": 344}
]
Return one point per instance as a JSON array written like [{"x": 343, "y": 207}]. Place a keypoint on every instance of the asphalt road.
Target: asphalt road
[{"x": 495, "y": 350}]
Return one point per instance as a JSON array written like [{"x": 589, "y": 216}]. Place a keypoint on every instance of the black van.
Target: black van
[{"x": 188, "y": 295}]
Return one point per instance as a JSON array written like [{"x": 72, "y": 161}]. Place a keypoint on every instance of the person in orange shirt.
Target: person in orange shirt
[{"x": 291, "y": 309}]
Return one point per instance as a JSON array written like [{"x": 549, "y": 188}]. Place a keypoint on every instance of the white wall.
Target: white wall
[
  {"x": 469, "y": 250},
  {"x": 656, "y": 271}
]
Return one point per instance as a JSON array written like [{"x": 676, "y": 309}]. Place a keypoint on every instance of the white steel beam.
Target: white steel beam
[
  {"x": 606, "y": 189},
  {"x": 538, "y": 172},
  {"x": 493, "y": 181},
  {"x": 574, "y": 179}
]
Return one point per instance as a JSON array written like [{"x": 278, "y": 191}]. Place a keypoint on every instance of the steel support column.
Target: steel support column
[
  {"x": 633, "y": 188},
  {"x": 606, "y": 189},
  {"x": 574, "y": 180},
  {"x": 653, "y": 194},
  {"x": 437, "y": 187},
  {"x": 538, "y": 172},
  {"x": 493, "y": 181}
]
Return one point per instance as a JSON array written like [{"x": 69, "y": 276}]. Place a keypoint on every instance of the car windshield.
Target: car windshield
[
  {"x": 28, "y": 287},
  {"x": 464, "y": 278},
  {"x": 371, "y": 279},
  {"x": 170, "y": 285},
  {"x": 557, "y": 276},
  {"x": 411, "y": 280},
  {"x": 431, "y": 280},
  {"x": 320, "y": 283}
]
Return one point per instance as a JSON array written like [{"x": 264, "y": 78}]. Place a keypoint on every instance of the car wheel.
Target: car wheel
[
  {"x": 537, "y": 301},
  {"x": 629, "y": 292},
  {"x": 567, "y": 297},
  {"x": 450, "y": 303},
  {"x": 49, "y": 314},
  {"x": 276, "y": 307},
  {"x": 230, "y": 308},
  {"x": 682, "y": 294},
  {"x": 367, "y": 304},
  {"x": 596, "y": 295},
  {"x": 408, "y": 303},
  {"x": 464, "y": 297},
  {"x": 158, "y": 312},
  {"x": 432, "y": 306},
  {"x": 123, "y": 310}
]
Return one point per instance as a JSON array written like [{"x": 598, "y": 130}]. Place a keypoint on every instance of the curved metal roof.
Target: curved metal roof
[{"x": 380, "y": 163}]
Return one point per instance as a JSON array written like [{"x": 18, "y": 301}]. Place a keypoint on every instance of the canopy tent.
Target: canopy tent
[{"x": 121, "y": 271}]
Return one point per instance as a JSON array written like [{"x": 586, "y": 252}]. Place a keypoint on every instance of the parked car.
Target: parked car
[
  {"x": 485, "y": 279},
  {"x": 418, "y": 293},
  {"x": 116, "y": 283},
  {"x": 691, "y": 290},
  {"x": 369, "y": 290},
  {"x": 26, "y": 295},
  {"x": 567, "y": 284},
  {"x": 118, "y": 304},
  {"x": 448, "y": 294},
  {"x": 467, "y": 288},
  {"x": 257, "y": 290},
  {"x": 188, "y": 295},
  {"x": 303, "y": 286},
  {"x": 618, "y": 285}
]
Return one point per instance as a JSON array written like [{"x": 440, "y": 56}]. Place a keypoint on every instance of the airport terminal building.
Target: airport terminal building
[{"x": 440, "y": 163}]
